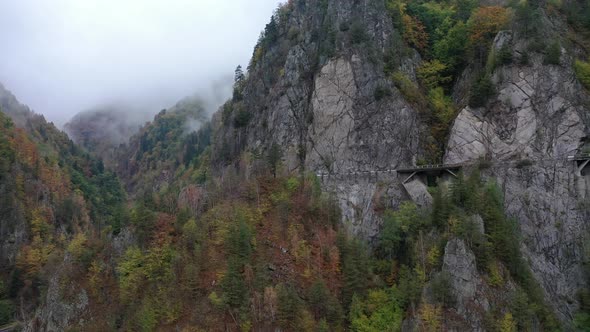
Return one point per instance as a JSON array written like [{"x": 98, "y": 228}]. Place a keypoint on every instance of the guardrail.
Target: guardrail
[
  {"x": 580, "y": 156},
  {"x": 576, "y": 157},
  {"x": 434, "y": 166},
  {"x": 402, "y": 170}
]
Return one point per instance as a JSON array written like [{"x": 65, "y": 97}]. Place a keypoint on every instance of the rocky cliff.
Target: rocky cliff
[
  {"x": 312, "y": 90},
  {"x": 538, "y": 118},
  {"x": 317, "y": 87}
]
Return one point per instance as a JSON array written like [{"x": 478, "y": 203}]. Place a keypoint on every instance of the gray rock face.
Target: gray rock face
[
  {"x": 554, "y": 225},
  {"x": 323, "y": 111},
  {"x": 467, "y": 286},
  {"x": 57, "y": 313},
  {"x": 527, "y": 131},
  {"x": 361, "y": 196},
  {"x": 418, "y": 192},
  {"x": 326, "y": 107}
]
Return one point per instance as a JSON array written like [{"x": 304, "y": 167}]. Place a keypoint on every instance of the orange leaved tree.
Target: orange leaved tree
[{"x": 484, "y": 24}]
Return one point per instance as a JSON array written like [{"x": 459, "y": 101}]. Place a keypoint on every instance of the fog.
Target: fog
[{"x": 61, "y": 57}]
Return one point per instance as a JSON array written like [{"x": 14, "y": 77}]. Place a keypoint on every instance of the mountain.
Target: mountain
[
  {"x": 169, "y": 144},
  {"x": 347, "y": 87},
  {"x": 51, "y": 193},
  {"x": 381, "y": 165},
  {"x": 101, "y": 131}
]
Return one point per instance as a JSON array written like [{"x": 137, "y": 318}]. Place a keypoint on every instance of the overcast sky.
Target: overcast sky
[{"x": 64, "y": 56}]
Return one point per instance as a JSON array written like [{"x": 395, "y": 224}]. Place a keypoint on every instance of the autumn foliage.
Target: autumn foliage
[
  {"x": 485, "y": 23},
  {"x": 414, "y": 32}
]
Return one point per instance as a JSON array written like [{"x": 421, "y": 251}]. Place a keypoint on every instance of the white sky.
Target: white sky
[{"x": 63, "y": 56}]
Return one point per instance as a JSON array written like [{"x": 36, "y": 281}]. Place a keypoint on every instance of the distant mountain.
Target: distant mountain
[
  {"x": 175, "y": 137},
  {"x": 18, "y": 112},
  {"x": 51, "y": 191},
  {"x": 101, "y": 131}
]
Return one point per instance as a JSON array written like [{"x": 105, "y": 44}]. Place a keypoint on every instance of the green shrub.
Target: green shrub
[
  {"x": 242, "y": 118},
  {"x": 483, "y": 163},
  {"x": 327, "y": 39},
  {"x": 582, "y": 69},
  {"x": 441, "y": 289},
  {"x": 382, "y": 92},
  {"x": 289, "y": 304},
  {"x": 226, "y": 113},
  {"x": 147, "y": 317},
  {"x": 536, "y": 45},
  {"x": 432, "y": 74},
  {"x": 504, "y": 55},
  {"x": 524, "y": 163},
  {"x": 553, "y": 54},
  {"x": 358, "y": 34},
  {"x": 443, "y": 108},
  {"x": 344, "y": 26},
  {"x": 293, "y": 33},
  {"x": 409, "y": 89},
  {"x": 6, "y": 311},
  {"x": 481, "y": 91}
]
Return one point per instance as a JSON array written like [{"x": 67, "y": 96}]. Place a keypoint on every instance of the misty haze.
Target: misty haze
[
  {"x": 66, "y": 56},
  {"x": 295, "y": 165}
]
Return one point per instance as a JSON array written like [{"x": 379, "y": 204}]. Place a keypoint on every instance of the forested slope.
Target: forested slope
[{"x": 225, "y": 226}]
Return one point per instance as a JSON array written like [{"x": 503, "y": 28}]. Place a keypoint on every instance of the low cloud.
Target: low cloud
[{"x": 64, "y": 56}]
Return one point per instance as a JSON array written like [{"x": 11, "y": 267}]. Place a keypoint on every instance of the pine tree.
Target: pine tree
[
  {"x": 355, "y": 270},
  {"x": 239, "y": 82},
  {"x": 274, "y": 158},
  {"x": 318, "y": 299},
  {"x": 458, "y": 190},
  {"x": 234, "y": 288},
  {"x": 144, "y": 221},
  {"x": 440, "y": 208},
  {"x": 390, "y": 236},
  {"x": 240, "y": 241},
  {"x": 288, "y": 306},
  {"x": 271, "y": 32},
  {"x": 239, "y": 75}
]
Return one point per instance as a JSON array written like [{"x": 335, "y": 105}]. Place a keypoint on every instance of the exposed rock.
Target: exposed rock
[
  {"x": 58, "y": 313},
  {"x": 360, "y": 197},
  {"x": 418, "y": 191},
  {"x": 332, "y": 131},
  {"x": 537, "y": 119},
  {"x": 122, "y": 241},
  {"x": 553, "y": 223},
  {"x": 326, "y": 106},
  {"x": 467, "y": 286},
  {"x": 479, "y": 224}
]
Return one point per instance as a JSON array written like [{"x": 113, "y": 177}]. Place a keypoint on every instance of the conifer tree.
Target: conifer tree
[
  {"x": 288, "y": 306},
  {"x": 318, "y": 299},
  {"x": 234, "y": 288},
  {"x": 274, "y": 158}
]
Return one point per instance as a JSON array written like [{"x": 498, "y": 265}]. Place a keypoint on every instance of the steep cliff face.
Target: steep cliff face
[
  {"x": 537, "y": 119},
  {"x": 318, "y": 90},
  {"x": 316, "y": 87}
]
